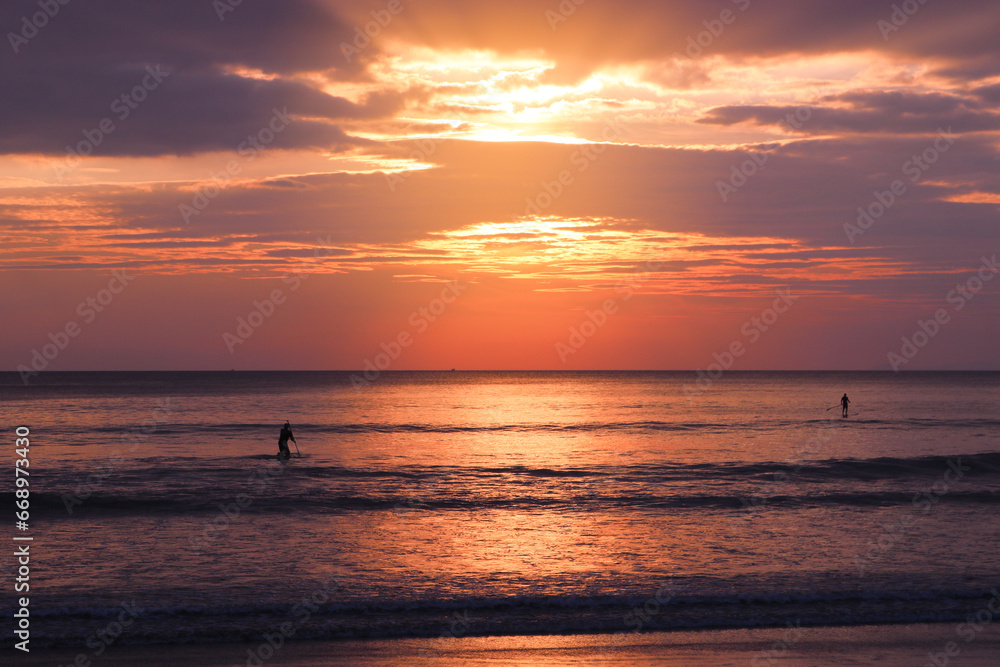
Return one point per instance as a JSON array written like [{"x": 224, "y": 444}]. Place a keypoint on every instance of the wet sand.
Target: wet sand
[{"x": 888, "y": 646}]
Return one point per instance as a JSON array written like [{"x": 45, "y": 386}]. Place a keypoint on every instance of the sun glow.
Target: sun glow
[{"x": 489, "y": 97}]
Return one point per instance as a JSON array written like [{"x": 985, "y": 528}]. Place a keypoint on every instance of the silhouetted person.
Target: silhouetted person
[
  {"x": 286, "y": 435},
  {"x": 844, "y": 402}
]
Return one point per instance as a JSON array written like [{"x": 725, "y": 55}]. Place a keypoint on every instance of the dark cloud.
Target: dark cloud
[
  {"x": 989, "y": 94},
  {"x": 95, "y": 61},
  {"x": 63, "y": 81},
  {"x": 595, "y": 33},
  {"x": 969, "y": 69},
  {"x": 276, "y": 37},
  {"x": 869, "y": 111},
  {"x": 184, "y": 113},
  {"x": 903, "y": 102}
]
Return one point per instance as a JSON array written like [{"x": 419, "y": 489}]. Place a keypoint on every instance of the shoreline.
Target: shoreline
[{"x": 890, "y": 645}]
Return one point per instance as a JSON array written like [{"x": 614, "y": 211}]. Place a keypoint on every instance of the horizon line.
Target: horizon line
[{"x": 495, "y": 370}]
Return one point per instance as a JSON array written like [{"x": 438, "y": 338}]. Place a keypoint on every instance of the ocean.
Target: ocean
[{"x": 459, "y": 504}]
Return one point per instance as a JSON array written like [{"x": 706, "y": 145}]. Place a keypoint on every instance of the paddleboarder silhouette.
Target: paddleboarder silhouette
[
  {"x": 844, "y": 402},
  {"x": 283, "y": 438}
]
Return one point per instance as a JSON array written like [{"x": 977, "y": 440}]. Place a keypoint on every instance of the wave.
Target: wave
[
  {"x": 865, "y": 469},
  {"x": 669, "y": 608},
  {"x": 386, "y": 428},
  {"x": 170, "y": 485},
  {"x": 829, "y": 469},
  {"x": 271, "y": 428},
  {"x": 669, "y": 593},
  {"x": 54, "y": 505},
  {"x": 216, "y": 470}
]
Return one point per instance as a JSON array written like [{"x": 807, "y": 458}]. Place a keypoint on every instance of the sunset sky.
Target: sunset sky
[{"x": 501, "y": 185}]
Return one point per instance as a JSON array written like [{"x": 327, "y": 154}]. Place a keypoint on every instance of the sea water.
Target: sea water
[{"x": 469, "y": 503}]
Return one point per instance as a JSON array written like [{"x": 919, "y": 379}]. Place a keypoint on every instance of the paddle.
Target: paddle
[
  {"x": 297, "y": 452},
  {"x": 832, "y": 407}
]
